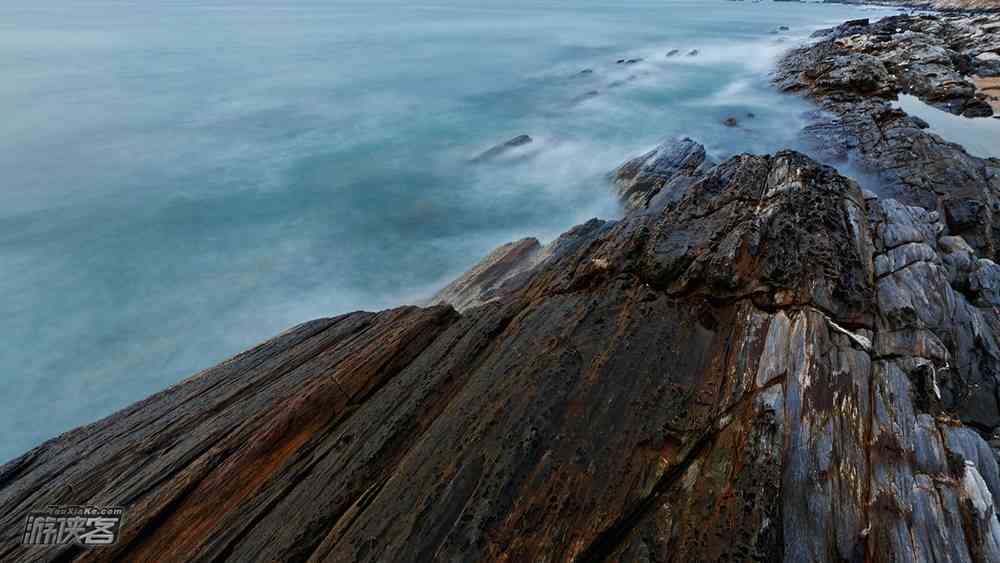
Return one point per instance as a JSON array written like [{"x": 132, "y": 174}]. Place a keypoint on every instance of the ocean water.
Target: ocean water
[{"x": 185, "y": 178}]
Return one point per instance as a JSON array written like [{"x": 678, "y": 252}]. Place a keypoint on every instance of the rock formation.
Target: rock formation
[
  {"x": 503, "y": 148},
  {"x": 855, "y": 72},
  {"x": 761, "y": 361},
  {"x": 944, "y": 5}
]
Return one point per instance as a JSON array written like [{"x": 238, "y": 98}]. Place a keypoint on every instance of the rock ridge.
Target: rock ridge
[{"x": 760, "y": 361}]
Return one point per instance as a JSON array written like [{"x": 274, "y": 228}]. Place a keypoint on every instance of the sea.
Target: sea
[{"x": 182, "y": 179}]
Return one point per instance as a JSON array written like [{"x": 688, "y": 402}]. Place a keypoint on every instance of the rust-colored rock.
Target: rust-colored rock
[
  {"x": 759, "y": 362},
  {"x": 701, "y": 383}
]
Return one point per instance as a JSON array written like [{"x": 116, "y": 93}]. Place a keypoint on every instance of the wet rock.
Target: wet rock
[
  {"x": 723, "y": 378},
  {"x": 479, "y": 285},
  {"x": 854, "y": 73},
  {"x": 503, "y": 148},
  {"x": 585, "y": 96},
  {"x": 730, "y": 121},
  {"x": 669, "y": 168},
  {"x": 692, "y": 53},
  {"x": 673, "y": 52}
]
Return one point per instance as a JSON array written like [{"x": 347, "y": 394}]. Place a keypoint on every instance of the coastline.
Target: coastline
[
  {"x": 941, "y": 6},
  {"x": 762, "y": 358}
]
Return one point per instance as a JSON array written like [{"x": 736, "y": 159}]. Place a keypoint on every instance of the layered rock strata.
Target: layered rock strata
[
  {"x": 761, "y": 361},
  {"x": 856, "y": 71},
  {"x": 771, "y": 367}
]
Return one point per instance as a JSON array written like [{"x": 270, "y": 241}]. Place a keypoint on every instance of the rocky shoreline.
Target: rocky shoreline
[
  {"x": 763, "y": 360},
  {"x": 959, "y": 6}
]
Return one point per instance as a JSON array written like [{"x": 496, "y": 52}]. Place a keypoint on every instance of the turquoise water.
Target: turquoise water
[{"x": 183, "y": 179}]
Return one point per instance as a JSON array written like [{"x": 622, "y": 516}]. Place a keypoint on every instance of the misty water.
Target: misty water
[{"x": 185, "y": 178}]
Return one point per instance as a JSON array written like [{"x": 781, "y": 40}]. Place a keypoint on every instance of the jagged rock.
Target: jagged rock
[
  {"x": 760, "y": 361},
  {"x": 661, "y": 175},
  {"x": 852, "y": 74},
  {"x": 698, "y": 383},
  {"x": 480, "y": 284},
  {"x": 502, "y": 148}
]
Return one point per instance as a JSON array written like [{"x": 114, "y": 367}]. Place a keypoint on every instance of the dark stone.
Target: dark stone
[
  {"x": 669, "y": 168},
  {"x": 585, "y": 96},
  {"x": 759, "y": 362},
  {"x": 502, "y": 148},
  {"x": 848, "y": 76},
  {"x": 724, "y": 378}
]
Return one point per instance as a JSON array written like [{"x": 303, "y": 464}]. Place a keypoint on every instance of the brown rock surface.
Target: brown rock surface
[
  {"x": 760, "y": 362},
  {"x": 707, "y": 382}
]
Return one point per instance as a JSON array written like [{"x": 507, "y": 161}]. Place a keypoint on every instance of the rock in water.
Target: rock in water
[
  {"x": 503, "y": 148},
  {"x": 585, "y": 96},
  {"x": 660, "y": 175},
  {"x": 480, "y": 284},
  {"x": 770, "y": 367},
  {"x": 760, "y": 361},
  {"x": 854, "y": 73}
]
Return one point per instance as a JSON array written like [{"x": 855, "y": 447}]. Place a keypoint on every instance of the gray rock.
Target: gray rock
[
  {"x": 641, "y": 179},
  {"x": 502, "y": 149}
]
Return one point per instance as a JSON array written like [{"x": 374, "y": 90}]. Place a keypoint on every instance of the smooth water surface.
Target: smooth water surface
[
  {"x": 979, "y": 135},
  {"x": 185, "y": 178}
]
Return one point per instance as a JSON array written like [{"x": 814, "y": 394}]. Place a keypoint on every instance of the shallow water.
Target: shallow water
[
  {"x": 979, "y": 135},
  {"x": 184, "y": 179}
]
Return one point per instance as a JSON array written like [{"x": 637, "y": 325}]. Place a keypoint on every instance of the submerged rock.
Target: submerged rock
[
  {"x": 585, "y": 96},
  {"x": 502, "y": 148}
]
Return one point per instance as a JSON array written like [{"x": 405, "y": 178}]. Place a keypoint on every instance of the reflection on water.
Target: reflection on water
[{"x": 979, "y": 135}]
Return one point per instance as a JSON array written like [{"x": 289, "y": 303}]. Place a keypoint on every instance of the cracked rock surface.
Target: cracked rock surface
[
  {"x": 771, "y": 367},
  {"x": 760, "y": 362},
  {"x": 855, "y": 72}
]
